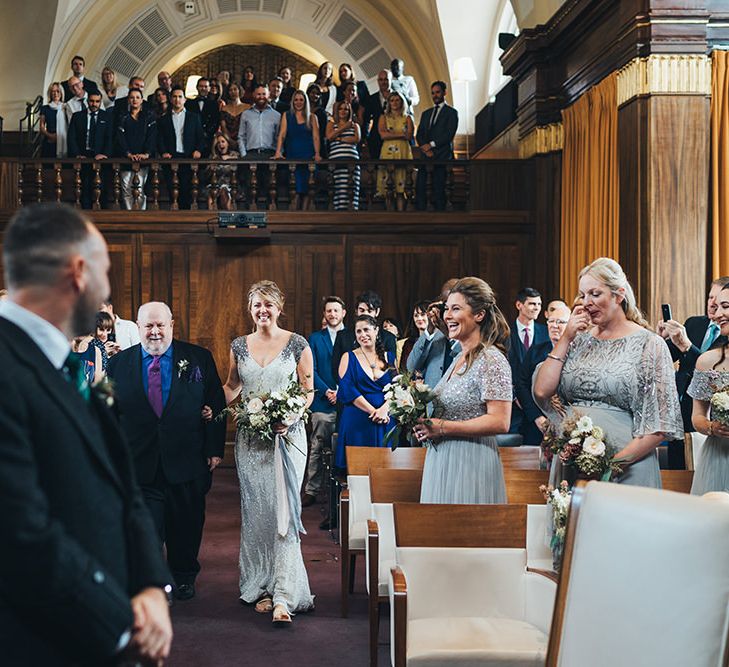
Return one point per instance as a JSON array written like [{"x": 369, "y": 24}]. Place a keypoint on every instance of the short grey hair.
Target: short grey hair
[{"x": 149, "y": 304}]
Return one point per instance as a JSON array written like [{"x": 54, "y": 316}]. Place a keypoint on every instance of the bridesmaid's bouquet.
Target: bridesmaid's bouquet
[
  {"x": 408, "y": 397},
  {"x": 581, "y": 444},
  {"x": 720, "y": 405},
  {"x": 255, "y": 414},
  {"x": 558, "y": 500}
]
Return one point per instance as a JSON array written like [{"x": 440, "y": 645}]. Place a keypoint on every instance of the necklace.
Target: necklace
[{"x": 371, "y": 365}]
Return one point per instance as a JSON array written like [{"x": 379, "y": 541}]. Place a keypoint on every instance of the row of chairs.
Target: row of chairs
[{"x": 380, "y": 478}]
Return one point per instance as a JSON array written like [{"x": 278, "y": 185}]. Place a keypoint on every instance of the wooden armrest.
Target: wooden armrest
[
  {"x": 373, "y": 570},
  {"x": 400, "y": 615},
  {"x": 373, "y": 529},
  {"x": 344, "y": 521},
  {"x": 549, "y": 574}
]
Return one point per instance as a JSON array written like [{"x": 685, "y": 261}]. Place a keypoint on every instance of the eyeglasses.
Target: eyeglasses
[{"x": 556, "y": 321}]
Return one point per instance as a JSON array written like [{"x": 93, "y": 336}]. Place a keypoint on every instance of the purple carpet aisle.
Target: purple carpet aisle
[{"x": 215, "y": 629}]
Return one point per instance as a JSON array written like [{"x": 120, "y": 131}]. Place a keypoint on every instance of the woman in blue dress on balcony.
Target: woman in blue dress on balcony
[
  {"x": 364, "y": 373},
  {"x": 298, "y": 139},
  {"x": 49, "y": 126}
]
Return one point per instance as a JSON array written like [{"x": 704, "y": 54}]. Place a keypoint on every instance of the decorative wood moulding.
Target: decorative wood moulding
[
  {"x": 664, "y": 74},
  {"x": 542, "y": 139}
]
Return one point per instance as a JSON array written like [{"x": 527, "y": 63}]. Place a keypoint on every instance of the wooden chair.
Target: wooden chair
[
  {"x": 387, "y": 486},
  {"x": 651, "y": 567},
  {"x": 677, "y": 480},
  {"x": 522, "y": 486},
  {"x": 461, "y": 591},
  {"x": 526, "y": 457},
  {"x": 354, "y": 504}
]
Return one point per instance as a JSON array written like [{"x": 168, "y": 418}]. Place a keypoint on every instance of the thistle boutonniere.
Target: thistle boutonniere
[
  {"x": 104, "y": 389},
  {"x": 182, "y": 366}
]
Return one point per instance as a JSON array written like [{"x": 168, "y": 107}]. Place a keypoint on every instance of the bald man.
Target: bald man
[
  {"x": 535, "y": 422},
  {"x": 161, "y": 387}
]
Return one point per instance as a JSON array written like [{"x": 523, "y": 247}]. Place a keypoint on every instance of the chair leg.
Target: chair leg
[
  {"x": 352, "y": 567},
  {"x": 374, "y": 611},
  {"x": 346, "y": 564}
]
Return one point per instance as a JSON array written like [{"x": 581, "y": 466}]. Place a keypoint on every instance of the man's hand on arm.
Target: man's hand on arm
[
  {"x": 331, "y": 396},
  {"x": 152, "y": 629}
]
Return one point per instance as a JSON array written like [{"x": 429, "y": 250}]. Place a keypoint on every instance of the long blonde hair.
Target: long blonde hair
[
  {"x": 494, "y": 330},
  {"x": 611, "y": 274}
]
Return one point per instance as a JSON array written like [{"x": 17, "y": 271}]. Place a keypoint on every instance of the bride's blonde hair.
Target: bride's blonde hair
[
  {"x": 268, "y": 290},
  {"x": 611, "y": 274}
]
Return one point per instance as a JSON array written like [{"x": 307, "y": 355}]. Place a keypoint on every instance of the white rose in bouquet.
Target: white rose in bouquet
[
  {"x": 254, "y": 406},
  {"x": 276, "y": 396},
  {"x": 421, "y": 387},
  {"x": 403, "y": 398},
  {"x": 593, "y": 446},
  {"x": 584, "y": 425},
  {"x": 290, "y": 418}
]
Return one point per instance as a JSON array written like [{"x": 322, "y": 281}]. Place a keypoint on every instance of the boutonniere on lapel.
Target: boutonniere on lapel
[
  {"x": 104, "y": 389},
  {"x": 187, "y": 374}
]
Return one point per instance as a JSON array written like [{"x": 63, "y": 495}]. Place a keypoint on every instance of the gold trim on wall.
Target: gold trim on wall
[
  {"x": 661, "y": 74},
  {"x": 542, "y": 139}
]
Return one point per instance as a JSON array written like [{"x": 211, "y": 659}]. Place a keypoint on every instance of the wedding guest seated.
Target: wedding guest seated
[
  {"x": 417, "y": 327},
  {"x": 223, "y": 173},
  {"x": 363, "y": 375},
  {"x": 53, "y": 142},
  {"x": 78, "y": 66}
]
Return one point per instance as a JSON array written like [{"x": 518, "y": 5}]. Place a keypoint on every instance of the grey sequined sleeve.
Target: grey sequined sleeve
[
  {"x": 655, "y": 399},
  {"x": 495, "y": 381},
  {"x": 238, "y": 346},
  {"x": 298, "y": 345},
  {"x": 703, "y": 385}
]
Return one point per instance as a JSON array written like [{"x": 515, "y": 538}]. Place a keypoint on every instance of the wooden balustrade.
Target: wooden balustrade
[{"x": 255, "y": 185}]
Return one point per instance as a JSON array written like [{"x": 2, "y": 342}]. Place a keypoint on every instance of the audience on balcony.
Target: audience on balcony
[
  {"x": 109, "y": 87},
  {"x": 121, "y": 103},
  {"x": 435, "y": 135},
  {"x": 90, "y": 134},
  {"x": 230, "y": 115},
  {"x": 396, "y": 130},
  {"x": 275, "y": 88},
  {"x": 343, "y": 135},
  {"x": 53, "y": 133},
  {"x": 164, "y": 81},
  {"x": 78, "y": 67},
  {"x": 223, "y": 78},
  {"x": 298, "y": 139},
  {"x": 160, "y": 104},
  {"x": 289, "y": 88},
  {"x": 349, "y": 94},
  {"x": 220, "y": 175},
  {"x": 374, "y": 107},
  {"x": 326, "y": 85},
  {"x": 313, "y": 93},
  {"x": 405, "y": 84},
  {"x": 76, "y": 100},
  {"x": 136, "y": 139},
  {"x": 180, "y": 135},
  {"x": 249, "y": 83},
  {"x": 346, "y": 75},
  {"x": 206, "y": 107}
]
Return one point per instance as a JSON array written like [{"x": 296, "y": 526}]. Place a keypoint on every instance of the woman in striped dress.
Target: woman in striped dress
[{"x": 343, "y": 134}]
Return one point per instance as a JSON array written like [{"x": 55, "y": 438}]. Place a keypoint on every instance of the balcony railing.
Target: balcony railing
[{"x": 254, "y": 185}]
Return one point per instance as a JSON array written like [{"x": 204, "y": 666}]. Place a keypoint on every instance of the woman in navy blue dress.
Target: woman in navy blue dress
[
  {"x": 364, "y": 374},
  {"x": 49, "y": 114}
]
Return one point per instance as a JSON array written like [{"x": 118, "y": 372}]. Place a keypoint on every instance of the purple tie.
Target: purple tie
[
  {"x": 526, "y": 340},
  {"x": 154, "y": 386}
]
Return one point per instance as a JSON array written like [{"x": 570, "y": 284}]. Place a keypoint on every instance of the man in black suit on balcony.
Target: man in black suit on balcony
[
  {"x": 78, "y": 65},
  {"x": 434, "y": 137},
  {"x": 207, "y": 109},
  {"x": 90, "y": 134},
  {"x": 180, "y": 135},
  {"x": 374, "y": 107}
]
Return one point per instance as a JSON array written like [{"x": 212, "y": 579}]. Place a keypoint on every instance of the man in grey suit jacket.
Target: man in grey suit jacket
[{"x": 438, "y": 126}]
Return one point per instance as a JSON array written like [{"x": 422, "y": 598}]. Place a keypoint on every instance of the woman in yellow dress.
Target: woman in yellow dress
[{"x": 396, "y": 129}]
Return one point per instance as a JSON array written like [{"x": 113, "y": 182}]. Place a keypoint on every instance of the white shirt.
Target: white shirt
[
  {"x": 521, "y": 329},
  {"x": 178, "y": 122},
  {"x": 127, "y": 333},
  {"x": 333, "y": 332},
  {"x": 51, "y": 340},
  {"x": 75, "y": 104}
]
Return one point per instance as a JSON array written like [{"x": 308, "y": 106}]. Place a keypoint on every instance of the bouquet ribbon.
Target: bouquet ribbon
[{"x": 288, "y": 510}]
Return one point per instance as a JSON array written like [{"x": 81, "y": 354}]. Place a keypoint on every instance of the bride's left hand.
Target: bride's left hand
[
  {"x": 425, "y": 430},
  {"x": 279, "y": 428}
]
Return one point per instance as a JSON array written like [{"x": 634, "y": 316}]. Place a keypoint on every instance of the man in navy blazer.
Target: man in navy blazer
[
  {"x": 437, "y": 128},
  {"x": 525, "y": 332},
  {"x": 207, "y": 108},
  {"x": 324, "y": 405},
  {"x": 558, "y": 313},
  {"x": 162, "y": 387},
  {"x": 90, "y": 134},
  {"x": 180, "y": 135}
]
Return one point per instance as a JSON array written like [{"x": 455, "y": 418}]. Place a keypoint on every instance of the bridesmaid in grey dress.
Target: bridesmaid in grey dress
[
  {"x": 712, "y": 374},
  {"x": 611, "y": 367},
  {"x": 272, "y": 572},
  {"x": 472, "y": 404}
]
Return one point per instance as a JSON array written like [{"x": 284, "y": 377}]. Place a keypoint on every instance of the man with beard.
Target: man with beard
[
  {"x": 162, "y": 387},
  {"x": 324, "y": 405},
  {"x": 81, "y": 570}
]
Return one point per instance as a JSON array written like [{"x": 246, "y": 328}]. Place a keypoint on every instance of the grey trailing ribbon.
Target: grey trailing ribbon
[{"x": 287, "y": 490}]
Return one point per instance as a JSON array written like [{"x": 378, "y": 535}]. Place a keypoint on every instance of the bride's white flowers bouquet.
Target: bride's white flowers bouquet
[
  {"x": 559, "y": 501},
  {"x": 256, "y": 414},
  {"x": 582, "y": 444},
  {"x": 720, "y": 405},
  {"x": 408, "y": 397}
]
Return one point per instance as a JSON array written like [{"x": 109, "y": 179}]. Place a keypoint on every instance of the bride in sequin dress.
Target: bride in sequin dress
[
  {"x": 472, "y": 404},
  {"x": 272, "y": 571},
  {"x": 610, "y": 366}
]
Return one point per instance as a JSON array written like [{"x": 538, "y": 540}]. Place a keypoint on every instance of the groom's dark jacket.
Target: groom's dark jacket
[
  {"x": 76, "y": 539},
  {"x": 180, "y": 441}
]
